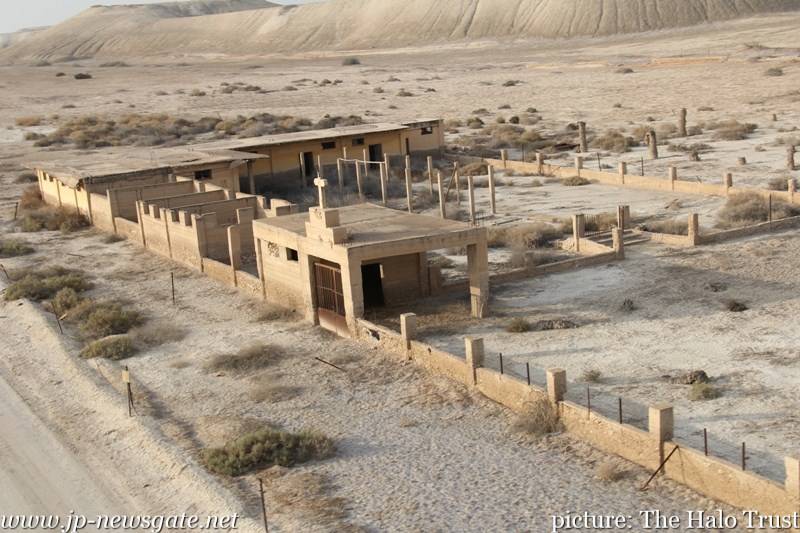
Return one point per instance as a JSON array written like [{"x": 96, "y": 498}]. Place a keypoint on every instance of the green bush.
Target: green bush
[
  {"x": 115, "y": 347},
  {"x": 14, "y": 248},
  {"x": 264, "y": 448},
  {"x": 45, "y": 283}
]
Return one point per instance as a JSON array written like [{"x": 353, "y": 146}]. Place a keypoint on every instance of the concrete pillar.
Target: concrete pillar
[
  {"x": 457, "y": 177},
  {"x": 408, "y": 328},
  {"x": 622, "y": 216},
  {"x": 478, "y": 267},
  {"x": 430, "y": 174},
  {"x": 790, "y": 164},
  {"x": 384, "y": 178},
  {"x": 626, "y": 209},
  {"x": 353, "y": 289},
  {"x": 235, "y": 246},
  {"x": 623, "y": 169},
  {"x": 408, "y": 161},
  {"x": 409, "y": 192},
  {"x": 791, "y": 186},
  {"x": 694, "y": 228},
  {"x": 619, "y": 242},
  {"x": 307, "y": 283},
  {"x": 340, "y": 175},
  {"x": 471, "y": 194},
  {"x": 359, "y": 182},
  {"x": 792, "y": 483},
  {"x": 661, "y": 421},
  {"x": 556, "y": 384},
  {"x": 492, "y": 198},
  {"x": 251, "y": 178},
  {"x": 539, "y": 163},
  {"x": 673, "y": 177},
  {"x": 652, "y": 144},
  {"x": 386, "y": 164},
  {"x": 578, "y": 164},
  {"x": 322, "y": 185},
  {"x": 578, "y": 230},
  {"x": 302, "y": 171},
  {"x": 682, "y": 123},
  {"x": 475, "y": 356},
  {"x": 320, "y": 170},
  {"x": 504, "y": 157},
  {"x": 442, "y": 207},
  {"x": 728, "y": 181},
  {"x": 584, "y": 146}
]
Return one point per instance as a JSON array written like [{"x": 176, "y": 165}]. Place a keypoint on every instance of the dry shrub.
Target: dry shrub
[
  {"x": 600, "y": 222},
  {"x": 609, "y": 471},
  {"x": 28, "y": 121},
  {"x": 82, "y": 76},
  {"x": 273, "y": 313},
  {"x": 51, "y": 219},
  {"x": 64, "y": 300},
  {"x": 31, "y": 198},
  {"x": 26, "y": 177},
  {"x": 703, "y": 391},
  {"x": 774, "y": 72},
  {"x": 404, "y": 93},
  {"x": 14, "y": 248},
  {"x": 156, "y": 334},
  {"x": 248, "y": 359},
  {"x": 307, "y": 495},
  {"x": 689, "y": 148},
  {"x": 575, "y": 181},
  {"x": 114, "y": 64},
  {"x": 670, "y": 227},
  {"x": 518, "y": 325},
  {"x": 265, "y": 448},
  {"x": 750, "y": 208},
  {"x": 474, "y": 169},
  {"x": 624, "y": 70},
  {"x": 780, "y": 184},
  {"x": 591, "y": 376},
  {"x": 730, "y": 130},
  {"x": 350, "y": 61},
  {"x": 44, "y": 283},
  {"x": 735, "y": 306},
  {"x": 100, "y": 319},
  {"x": 268, "y": 392},
  {"x": 555, "y": 324},
  {"x": 115, "y": 347},
  {"x": 613, "y": 141},
  {"x": 538, "y": 418},
  {"x": 525, "y": 236},
  {"x": 113, "y": 238}
]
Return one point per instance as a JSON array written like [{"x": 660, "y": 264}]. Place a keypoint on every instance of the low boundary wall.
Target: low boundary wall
[{"x": 711, "y": 476}]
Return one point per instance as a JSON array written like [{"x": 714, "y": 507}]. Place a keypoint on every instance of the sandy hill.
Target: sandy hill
[
  {"x": 255, "y": 26},
  {"x": 7, "y": 39}
]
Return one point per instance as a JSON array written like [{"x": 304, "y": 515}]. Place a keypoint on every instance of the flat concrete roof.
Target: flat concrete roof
[
  {"x": 115, "y": 162},
  {"x": 369, "y": 224},
  {"x": 302, "y": 136}
]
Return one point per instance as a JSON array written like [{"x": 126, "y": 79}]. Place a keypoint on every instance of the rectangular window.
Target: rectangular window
[
  {"x": 329, "y": 145},
  {"x": 358, "y": 141},
  {"x": 202, "y": 175},
  {"x": 291, "y": 255},
  {"x": 427, "y": 130}
]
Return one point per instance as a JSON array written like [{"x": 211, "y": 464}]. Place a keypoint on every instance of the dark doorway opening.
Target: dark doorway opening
[
  {"x": 373, "y": 286},
  {"x": 408, "y": 146},
  {"x": 309, "y": 165},
  {"x": 375, "y": 154}
]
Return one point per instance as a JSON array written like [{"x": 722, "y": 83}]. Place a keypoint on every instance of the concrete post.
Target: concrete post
[
  {"x": 302, "y": 171},
  {"x": 408, "y": 328},
  {"x": 619, "y": 242},
  {"x": 492, "y": 199},
  {"x": 584, "y": 146},
  {"x": 556, "y": 384},
  {"x": 475, "y": 356},
  {"x": 539, "y": 163},
  {"x": 682, "y": 123},
  {"x": 673, "y": 177},
  {"x": 340, "y": 174},
  {"x": 728, "y": 180},
  {"x": 471, "y": 194},
  {"x": 790, "y": 164},
  {"x": 384, "y": 177},
  {"x": 622, "y": 218},
  {"x": 359, "y": 183},
  {"x": 652, "y": 144},
  {"x": 442, "y": 208},
  {"x": 430, "y": 174},
  {"x": 408, "y": 161},
  {"x": 320, "y": 170},
  {"x": 386, "y": 165},
  {"x": 661, "y": 422},
  {"x": 251, "y": 178},
  {"x": 321, "y": 185},
  {"x": 578, "y": 164},
  {"x": 623, "y": 169},
  {"x": 792, "y": 188},
  {"x": 235, "y": 246},
  {"x": 478, "y": 268},
  {"x": 504, "y": 157},
  {"x": 792, "y": 482},
  {"x": 409, "y": 196},
  {"x": 458, "y": 184},
  {"x": 694, "y": 228},
  {"x": 578, "y": 230}
]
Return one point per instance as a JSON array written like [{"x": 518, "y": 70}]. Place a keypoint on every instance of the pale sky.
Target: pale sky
[{"x": 18, "y": 14}]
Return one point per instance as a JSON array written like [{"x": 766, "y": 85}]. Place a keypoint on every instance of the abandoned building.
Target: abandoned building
[{"x": 187, "y": 204}]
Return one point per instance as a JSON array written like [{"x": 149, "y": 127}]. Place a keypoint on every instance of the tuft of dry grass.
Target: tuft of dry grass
[
  {"x": 273, "y": 393},
  {"x": 670, "y": 227},
  {"x": 627, "y": 306},
  {"x": 735, "y": 306},
  {"x": 97, "y": 319},
  {"x": 264, "y": 448},
  {"x": 115, "y": 347},
  {"x": 613, "y": 141},
  {"x": 703, "y": 391},
  {"x": 518, "y": 325},
  {"x": 774, "y": 72},
  {"x": 746, "y": 209},
  {"x": 248, "y": 359},
  {"x": 30, "y": 121},
  {"x": 307, "y": 495},
  {"x": 44, "y": 283},
  {"x": 729, "y": 130},
  {"x": 64, "y": 300},
  {"x": 538, "y": 418},
  {"x": 780, "y": 184},
  {"x": 14, "y": 248},
  {"x": 157, "y": 333},
  {"x": 52, "y": 219},
  {"x": 273, "y": 313},
  {"x": 351, "y": 61},
  {"x": 591, "y": 375},
  {"x": 31, "y": 198},
  {"x": 575, "y": 181},
  {"x": 609, "y": 471},
  {"x": 525, "y": 236}
]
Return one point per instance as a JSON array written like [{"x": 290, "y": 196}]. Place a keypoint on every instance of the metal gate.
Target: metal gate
[{"x": 330, "y": 298}]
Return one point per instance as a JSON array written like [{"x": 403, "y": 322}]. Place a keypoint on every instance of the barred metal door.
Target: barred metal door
[{"x": 330, "y": 298}]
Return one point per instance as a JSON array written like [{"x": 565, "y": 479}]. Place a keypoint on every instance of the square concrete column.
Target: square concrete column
[
  {"x": 430, "y": 174},
  {"x": 408, "y": 328},
  {"x": 386, "y": 164},
  {"x": 556, "y": 384},
  {"x": 694, "y": 228},
  {"x": 353, "y": 289},
  {"x": 623, "y": 169},
  {"x": 492, "y": 199},
  {"x": 442, "y": 206},
  {"x": 619, "y": 242},
  {"x": 578, "y": 230},
  {"x": 340, "y": 175},
  {"x": 728, "y": 180},
  {"x": 384, "y": 178},
  {"x": 471, "y": 196},
  {"x": 578, "y": 164},
  {"x": 504, "y": 157},
  {"x": 475, "y": 355},
  {"x": 478, "y": 266},
  {"x": 673, "y": 177},
  {"x": 251, "y": 178},
  {"x": 661, "y": 421},
  {"x": 539, "y": 163},
  {"x": 622, "y": 216},
  {"x": 235, "y": 246},
  {"x": 792, "y": 482},
  {"x": 792, "y": 188},
  {"x": 307, "y": 284},
  {"x": 409, "y": 192},
  {"x": 359, "y": 181}
]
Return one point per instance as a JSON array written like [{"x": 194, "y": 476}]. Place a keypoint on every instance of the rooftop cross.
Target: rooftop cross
[{"x": 321, "y": 184}]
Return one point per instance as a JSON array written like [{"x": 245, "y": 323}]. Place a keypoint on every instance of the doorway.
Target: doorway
[
  {"x": 372, "y": 284},
  {"x": 308, "y": 164},
  {"x": 375, "y": 154},
  {"x": 330, "y": 298}
]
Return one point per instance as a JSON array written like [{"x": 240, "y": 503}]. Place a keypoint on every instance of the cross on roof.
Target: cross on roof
[{"x": 321, "y": 184}]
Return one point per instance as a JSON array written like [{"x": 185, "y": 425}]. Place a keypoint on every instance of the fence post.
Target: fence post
[
  {"x": 504, "y": 157},
  {"x": 623, "y": 169},
  {"x": 617, "y": 237},
  {"x": 578, "y": 164},
  {"x": 475, "y": 355},
  {"x": 430, "y": 174},
  {"x": 408, "y": 328},
  {"x": 661, "y": 424},
  {"x": 556, "y": 384},
  {"x": 728, "y": 180},
  {"x": 578, "y": 229},
  {"x": 792, "y": 189},
  {"x": 792, "y": 483},
  {"x": 539, "y": 163},
  {"x": 492, "y": 199},
  {"x": 409, "y": 191},
  {"x": 673, "y": 177},
  {"x": 694, "y": 229},
  {"x": 442, "y": 206}
]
